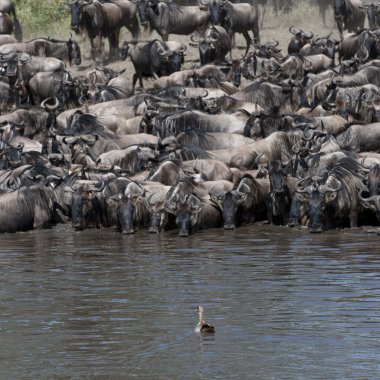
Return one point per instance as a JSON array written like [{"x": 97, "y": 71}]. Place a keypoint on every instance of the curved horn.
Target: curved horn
[
  {"x": 54, "y": 106},
  {"x": 374, "y": 198},
  {"x": 308, "y": 134},
  {"x": 326, "y": 189},
  {"x": 309, "y": 35},
  {"x": 194, "y": 39},
  {"x": 293, "y": 30}
]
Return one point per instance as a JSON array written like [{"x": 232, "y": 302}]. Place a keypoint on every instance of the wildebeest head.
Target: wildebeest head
[
  {"x": 9, "y": 64},
  {"x": 228, "y": 201},
  {"x": 317, "y": 198},
  {"x": 73, "y": 52},
  {"x": 207, "y": 46},
  {"x": 340, "y": 9},
  {"x": 186, "y": 212},
  {"x": 88, "y": 206},
  {"x": 374, "y": 179},
  {"x": 217, "y": 11},
  {"x": 144, "y": 7},
  {"x": 125, "y": 213},
  {"x": 10, "y": 157},
  {"x": 158, "y": 217},
  {"x": 75, "y": 11},
  {"x": 372, "y": 203},
  {"x": 299, "y": 39},
  {"x": 373, "y": 11}
]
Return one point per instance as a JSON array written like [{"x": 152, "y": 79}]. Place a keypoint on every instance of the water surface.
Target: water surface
[{"x": 96, "y": 304}]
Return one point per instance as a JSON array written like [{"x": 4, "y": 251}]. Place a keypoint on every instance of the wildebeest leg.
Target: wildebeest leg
[
  {"x": 164, "y": 36},
  {"x": 294, "y": 212},
  {"x": 17, "y": 26},
  {"x": 41, "y": 217},
  {"x": 114, "y": 45},
  {"x": 134, "y": 80},
  {"x": 248, "y": 40},
  {"x": 134, "y": 28},
  {"x": 262, "y": 10},
  {"x": 353, "y": 218},
  {"x": 322, "y": 11},
  {"x": 92, "y": 49},
  {"x": 256, "y": 33}
]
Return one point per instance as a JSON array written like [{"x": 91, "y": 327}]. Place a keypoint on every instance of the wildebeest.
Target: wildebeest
[
  {"x": 361, "y": 47},
  {"x": 323, "y": 7},
  {"x": 27, "y": 208},
  {"x": 169, "y": 18},
  {"x": 102, "y": 20},
  {"x": 6, "y": 24},
  {"x": 299, "y": 39},
  {"x": 235, "y": 18},
  {"x": 152, "y": 59},
  {"x": 349, "y": 15},
  {"x": 360, "y": 138},
  {"x": 193, "y": 213},
  {"x": 246, "y": 203},
  {"x": 274, "y": 99},
  {"x": 372, "y": 201},
  {"x": 65, "y": 50},
  {"x": 7, "y": 39},
  {"x": 88, "y": 205},
  {"x": 8, "y": 7},
  {"x": 373, "y": 15},
  {"x": 213, "y": 45},
  {"x": 57, "y": 84},
  {"x": 332, "y": 200}
]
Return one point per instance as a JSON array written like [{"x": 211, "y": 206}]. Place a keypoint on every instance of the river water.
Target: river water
[{"x": 99, "y": 305}]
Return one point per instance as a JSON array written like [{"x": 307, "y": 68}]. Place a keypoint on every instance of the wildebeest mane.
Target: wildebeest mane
[
  {"x": 31, "y": 196},
  {"x": 350, "y": 174},
  {"x": 88, "y": 123}
]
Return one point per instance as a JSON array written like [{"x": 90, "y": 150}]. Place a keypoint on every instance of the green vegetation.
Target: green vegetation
[{"x": 43, "y": 18}]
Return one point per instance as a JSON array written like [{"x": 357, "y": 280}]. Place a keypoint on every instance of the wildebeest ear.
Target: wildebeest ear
[
  {"x": 369, "y": 205},
  {"x": 117, "y": 197},
  {"x": 215, "y": 197},
  {"x": 330, "y": 196},
  {"x": 195, "y": 203},
  {"x": 241, "y": 197},
  {"x": 302, "y": 197}
]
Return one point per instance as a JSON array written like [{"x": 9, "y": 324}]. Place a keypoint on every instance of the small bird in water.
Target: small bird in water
[{"x": 202, "y": 326}]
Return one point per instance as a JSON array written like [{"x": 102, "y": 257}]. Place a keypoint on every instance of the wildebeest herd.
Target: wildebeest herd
[{"x": 298, "y": 145}]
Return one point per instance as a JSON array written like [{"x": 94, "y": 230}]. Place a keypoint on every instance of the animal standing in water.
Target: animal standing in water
[{"x": 203, "y": 327}]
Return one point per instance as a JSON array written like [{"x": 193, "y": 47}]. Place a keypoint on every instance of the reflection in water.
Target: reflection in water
[{"x": 97, "y": 304}]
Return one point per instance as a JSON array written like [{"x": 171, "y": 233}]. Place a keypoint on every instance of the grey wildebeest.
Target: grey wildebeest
[
  {"x": 193, "y": 213},
  {"x": 361, "y": 47},
  {"x": 103, "y": 20},
  {"x": 214, "y": 45},
  {"x": 332, "y": 200},
  {"x": 246, "y": 203},
  {"x": 169, "y": 18},
  {"x": 153, "y": 59},
  {"x": 373, "y": 12},
  {"x": 27, "y": 208},
  {"x": 299, "y": 39},
  {"x": 323, "y": 7},
  {"x": 57, "y": 84},
  {"x": 7, "y": 6},
  {"x": 372, "y": 201},
  {"x": 6, "y": 23},
  {"x": 274, "y": 99},
  {"x": 349, "y": 15},
  {"x": 68, "y": 51},
  {"x": 235, "y": 18}
]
